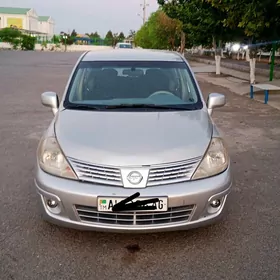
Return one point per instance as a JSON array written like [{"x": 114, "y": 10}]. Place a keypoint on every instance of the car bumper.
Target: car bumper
[{"x": 188, "y": 204}]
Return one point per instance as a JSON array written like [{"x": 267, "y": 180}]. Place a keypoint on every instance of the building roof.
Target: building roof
[
  {"x": 82, "y": 36},
  {"x": 132, "y": 55},
  {"x": 43, "y": 18},
  {"x": 14, "y": 10}
]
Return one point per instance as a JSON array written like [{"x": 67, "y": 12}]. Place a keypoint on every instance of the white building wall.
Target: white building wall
[
  {"x": 32, "y": 20},
  {"x": 46, "y": 27},
  {"x": 33, "y": 24},
  {"x": 43, "y": 26},
  {"x": 51, "y": 28}
]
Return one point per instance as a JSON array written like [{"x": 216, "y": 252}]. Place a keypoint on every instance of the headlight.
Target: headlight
[
  {"x": 215, "y": 160},
  {"x": 52, "y": 160}
]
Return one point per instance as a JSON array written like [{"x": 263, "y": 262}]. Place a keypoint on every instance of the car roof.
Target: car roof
[{"x": 131, "y": 55}]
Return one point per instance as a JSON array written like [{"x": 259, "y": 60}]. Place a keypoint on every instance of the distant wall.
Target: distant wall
[
  {"x": 72, "y": 48},
  {"x": 79, "y": 48}
]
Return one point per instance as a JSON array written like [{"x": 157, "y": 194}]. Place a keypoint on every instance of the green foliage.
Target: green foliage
[
  {"x": 202, "y": 22},
  {"x": 16, "y": 43},
  {"x": 259, "y": 19},
  {"x": 94, "y": 35},
  {"x": 55, "y": 39},
  {"x": 73, "y": 33},
  {"x": 11, "y": 35},
  {"x": 109, "y": 35},
  {"x": 28, "y": 42},
  {"x": 159, "y": 32},
  {"x": 44, "y": 44},
  {"x": 17, "y": 39},
  {"x": 121, "y": 36},
  {"x": 69, "y": 40},
  {"x": 109, "y": 38}
]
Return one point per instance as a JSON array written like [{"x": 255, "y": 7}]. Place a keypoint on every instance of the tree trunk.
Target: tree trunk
[
  {"x": 238, "y": 55},
  {"x": 252, "y": 59},
  {"x": 183, "y": 42},
  {"x": 247, "y": 55},
  {"x": 218, "y": 64},
  {"x": 252, "y": 70},
  {"x": 218, "y": 52}
]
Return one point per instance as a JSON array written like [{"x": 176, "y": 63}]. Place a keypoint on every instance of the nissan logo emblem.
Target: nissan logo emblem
[{"x": 134, "y": 177}]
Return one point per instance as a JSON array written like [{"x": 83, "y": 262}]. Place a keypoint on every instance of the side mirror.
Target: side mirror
[
  {"x": 50, "y": 99},
  {"x": 215, "y": 100}
]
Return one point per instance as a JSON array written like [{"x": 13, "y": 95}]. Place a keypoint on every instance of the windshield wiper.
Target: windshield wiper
[
  {"x": 82, "y": 107},
  {"x": 127, "y": 205},
  {"x": 149, "y": 106}
]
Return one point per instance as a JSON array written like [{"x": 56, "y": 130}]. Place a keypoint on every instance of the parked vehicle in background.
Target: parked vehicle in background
[
  {"x": 123, "y": 46},
  {"x": 132, "y": 147}
]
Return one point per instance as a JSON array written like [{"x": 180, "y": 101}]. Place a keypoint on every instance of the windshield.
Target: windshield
[{"x": 140, "y": 83}]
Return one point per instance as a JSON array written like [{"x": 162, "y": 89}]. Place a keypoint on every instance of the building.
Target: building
[
  {"x": 27, "y": 20},
  {"x": 46, "y": 25}
]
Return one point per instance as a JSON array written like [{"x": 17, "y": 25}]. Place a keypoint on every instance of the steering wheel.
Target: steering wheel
[{"x": 161, "y": 92}]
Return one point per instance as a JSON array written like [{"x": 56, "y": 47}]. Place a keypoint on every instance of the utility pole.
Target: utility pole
[{"x": 144, "y": 5}]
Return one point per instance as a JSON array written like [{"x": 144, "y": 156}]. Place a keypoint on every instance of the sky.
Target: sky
[{"x": 86, "y": 16}]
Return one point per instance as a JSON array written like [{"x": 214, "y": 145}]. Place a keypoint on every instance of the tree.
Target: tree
[
  {"x": 170, "y": 28},
  {"x": 74, "y": 33},
  {"x": 66, "y": 39},
  {"x": 121, "y": 36},
  {"x": 11, "y": 35},
  {"x": 132, "y": 33},
  {"x": 95, "y": 35},
  {"x": 55, "y": 39},
  {"x": 202, "y": 22},
  {"x": 28, "y": 42},
  {"x": 109, "y": 35},
  {"x": 17, "y": 39},
  {"x": 159, "y": 32},
  {"x": 109, "y": 38},
  {"x": 115, "y": 39},
  {"x": 259, "y": 20}
]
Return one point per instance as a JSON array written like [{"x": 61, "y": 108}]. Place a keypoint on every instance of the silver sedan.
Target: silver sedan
[{"x": 132, "y": 147}]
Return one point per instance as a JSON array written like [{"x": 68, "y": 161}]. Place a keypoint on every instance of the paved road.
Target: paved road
[{"x": 246, "y": 245}]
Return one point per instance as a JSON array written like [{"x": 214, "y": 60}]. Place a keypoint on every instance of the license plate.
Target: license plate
[{"x": 105, "y": 204}]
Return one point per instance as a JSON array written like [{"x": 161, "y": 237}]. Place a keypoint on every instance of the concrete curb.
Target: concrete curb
[{"x": 242, "y": 68}]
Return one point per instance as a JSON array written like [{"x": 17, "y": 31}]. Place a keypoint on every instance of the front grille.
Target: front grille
[
  {"x": 173, "y": 215},
  {"x": 159, "y": 174},
  {"x": 172, "y": 172},
  {"x": 96, "y": 173}
]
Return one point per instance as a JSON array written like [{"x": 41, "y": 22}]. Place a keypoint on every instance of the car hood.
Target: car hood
[{"x": 133, "y": 138}]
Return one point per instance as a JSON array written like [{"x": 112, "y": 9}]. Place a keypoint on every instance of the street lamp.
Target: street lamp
[
  {"x": 64, "y": 36},
  {"x": 144, "y": 5}
]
